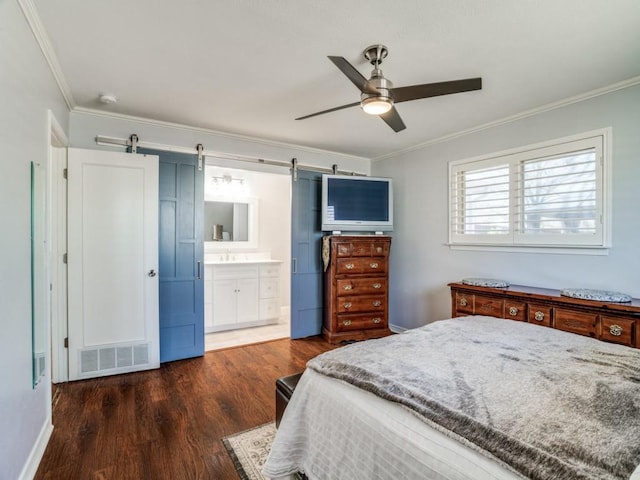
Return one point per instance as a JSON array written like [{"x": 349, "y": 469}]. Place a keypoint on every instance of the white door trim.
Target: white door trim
[{"x": 57, "y": 218}]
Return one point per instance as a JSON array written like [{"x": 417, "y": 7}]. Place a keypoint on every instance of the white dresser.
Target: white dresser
[{"x": 241, "y": 294}]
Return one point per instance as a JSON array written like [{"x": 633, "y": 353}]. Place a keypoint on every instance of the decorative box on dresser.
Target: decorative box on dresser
[
  {"x": 356, "y": 287},
  {"x": 607, "y": 321}
]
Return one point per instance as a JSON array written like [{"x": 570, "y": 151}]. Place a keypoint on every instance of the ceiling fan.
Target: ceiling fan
[{"x": 378, "y": 95}]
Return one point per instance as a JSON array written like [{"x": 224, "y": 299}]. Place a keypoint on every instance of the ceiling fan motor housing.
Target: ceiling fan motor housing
[{"x": 381, "y": 84}]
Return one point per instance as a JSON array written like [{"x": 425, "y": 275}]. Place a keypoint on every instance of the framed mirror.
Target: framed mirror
[
  {"x": 230, "y": 224},
  {"x": 38, "y": 274}
]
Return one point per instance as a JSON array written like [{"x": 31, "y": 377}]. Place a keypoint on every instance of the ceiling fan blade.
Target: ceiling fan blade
[
  {"x": 392, "y": 118},
  {"x": 415, "y": 92},
  {"x": 328, "y": 111},
  {"x": 354, "y": 75}
]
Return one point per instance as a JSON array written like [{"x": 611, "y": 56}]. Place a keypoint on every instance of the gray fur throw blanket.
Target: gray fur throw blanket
[{"x": 545, "y": 403}]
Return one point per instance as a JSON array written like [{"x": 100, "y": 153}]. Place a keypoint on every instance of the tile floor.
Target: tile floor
[{"x": 246, "y": 336}]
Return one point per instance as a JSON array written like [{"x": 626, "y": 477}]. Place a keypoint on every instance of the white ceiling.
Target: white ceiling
[{"x": 250, "y": 67}]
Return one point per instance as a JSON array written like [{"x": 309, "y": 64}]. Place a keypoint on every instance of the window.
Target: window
[{"x": 550, "y": 195}]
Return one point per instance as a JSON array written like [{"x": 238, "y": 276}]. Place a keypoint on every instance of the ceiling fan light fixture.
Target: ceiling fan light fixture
[{"x": 376, "y": 105}]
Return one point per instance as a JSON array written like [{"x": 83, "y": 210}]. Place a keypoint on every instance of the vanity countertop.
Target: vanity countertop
[{"x": 237, "y": 260}]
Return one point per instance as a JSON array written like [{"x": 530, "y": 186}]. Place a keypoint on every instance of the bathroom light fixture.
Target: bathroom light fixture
[{"x": 227, "y": 179}]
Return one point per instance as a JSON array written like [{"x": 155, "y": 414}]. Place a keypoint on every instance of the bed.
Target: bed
[{"x": 473, "y": 397}]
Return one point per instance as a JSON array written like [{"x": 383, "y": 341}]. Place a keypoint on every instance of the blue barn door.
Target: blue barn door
[
  {"x": 306, "y": 263},
  {"x": 181, "y": 252}
]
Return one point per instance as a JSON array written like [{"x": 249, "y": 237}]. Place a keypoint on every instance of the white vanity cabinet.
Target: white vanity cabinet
[{"x": 239, "y": 295}]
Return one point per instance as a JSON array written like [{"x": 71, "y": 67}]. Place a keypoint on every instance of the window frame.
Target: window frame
[{"x": 600, "y": 140}]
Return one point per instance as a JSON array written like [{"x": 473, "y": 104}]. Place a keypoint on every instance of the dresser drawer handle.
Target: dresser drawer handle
[
  {"x": 463, "y": 302},
  {"x": 376, "y": 303},
  {"x": 539, "y": 316},
  {"x": 615, "y": 330},
  {"x": 349, "y": 266},
  {"x": 376, "y": 285},
  {"x": 513, "y": 311},
  {"x": 346, "y": 323},
  {"x": 379, "y": 249},
  {"x": 347, "y": 287},
  {"x": 347, "y": 304},
  {"x": 376, "y": 320},
  {"x": 373, "y": 265}
]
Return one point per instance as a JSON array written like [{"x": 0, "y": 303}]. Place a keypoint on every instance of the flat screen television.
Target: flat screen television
[{"x": 357, "y": 204}]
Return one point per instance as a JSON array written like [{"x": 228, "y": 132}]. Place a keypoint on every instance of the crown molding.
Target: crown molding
[
  {"x": 208, "y": 131},
  {"x": 518, "y": 116},
  {"x": 42, "y": 38}
]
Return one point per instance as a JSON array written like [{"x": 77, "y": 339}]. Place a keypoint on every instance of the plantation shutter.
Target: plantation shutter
[
  {"x": 480, "y": 202},
  {"x": 550, "y": 195}
]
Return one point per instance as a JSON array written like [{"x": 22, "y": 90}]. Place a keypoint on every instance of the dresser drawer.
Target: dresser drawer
[
  {"x": 380, "y": 249},
  {"x": 360, "y": 265},
  {"x": 576, "y": 322},
  {"x": 362, "y": 303},
  {"x": 354, "y": 249},
  {"x": 540, "y": 314},
  {"x": 464, "y": 303},
  {"x": 360, "y": 322},
  {"x": 515, "y": 310},
  {"x": 493, "y": 307},
  {"x": 357, "y": 286},
  {"x": 617, "y": 330}
]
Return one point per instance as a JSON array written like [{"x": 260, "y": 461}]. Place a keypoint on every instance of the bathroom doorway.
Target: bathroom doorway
[{"x": 247, "y": 253}]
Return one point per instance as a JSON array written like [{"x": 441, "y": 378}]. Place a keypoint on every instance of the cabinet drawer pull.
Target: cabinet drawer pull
[
  {"x": 615, "y": 330},
  {"x": 346, "y": 323},
  {"x": 376, "y": 285},
  {"x": 539, "y": 316},
  {"x": 373, "y": 265},
  {"x": 349, "y": 266},
  {"x": 347, "y": 304},
  {"x": 379, "y": 249},
  {"x": 513, "y": 311},
  {"x": 376, "y": 303},
  {"x": 347, "y": 287},
  {"x": 463, "y": 302},
  {"x": 376, "y": 320}
]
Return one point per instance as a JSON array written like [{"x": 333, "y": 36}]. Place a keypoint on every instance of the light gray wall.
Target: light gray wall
[
  {"x": 421, "y": 263},
  {"x": 27, "y": 91}
]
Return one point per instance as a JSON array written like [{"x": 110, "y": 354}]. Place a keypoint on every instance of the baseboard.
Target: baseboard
[
  {"x": 31, "y": 466},
  {"x": 397, "y": 329}
]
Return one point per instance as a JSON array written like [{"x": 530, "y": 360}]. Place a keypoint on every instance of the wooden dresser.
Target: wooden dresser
[
  {"x": 356, "y": 287},
  {"x": 611, "y": 322}
]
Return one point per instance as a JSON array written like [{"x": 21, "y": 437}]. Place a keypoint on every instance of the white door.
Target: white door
[{"x": 112, "y": 263}]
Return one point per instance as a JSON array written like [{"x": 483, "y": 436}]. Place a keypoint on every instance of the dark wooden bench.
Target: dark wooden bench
[{"x": 284, "y": 389}]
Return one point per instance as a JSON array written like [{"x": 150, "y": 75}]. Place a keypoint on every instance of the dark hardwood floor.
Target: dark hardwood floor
[{"x": 167, "y": 423}]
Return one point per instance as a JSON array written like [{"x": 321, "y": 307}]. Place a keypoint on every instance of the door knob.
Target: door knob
[{"x": 152, "y": 273}]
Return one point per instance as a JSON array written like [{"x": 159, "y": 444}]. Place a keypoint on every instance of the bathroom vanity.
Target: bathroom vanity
[{"x": 240, "y": 292}]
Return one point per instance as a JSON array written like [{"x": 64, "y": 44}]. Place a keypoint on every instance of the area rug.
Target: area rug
[{"x": 250, "y": 449}]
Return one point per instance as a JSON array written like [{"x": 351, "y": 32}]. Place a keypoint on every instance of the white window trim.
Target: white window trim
[{"x": 506, "y": 242}]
